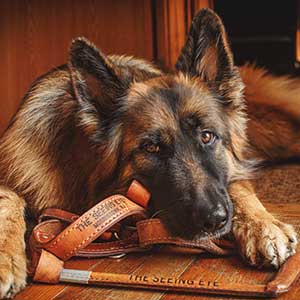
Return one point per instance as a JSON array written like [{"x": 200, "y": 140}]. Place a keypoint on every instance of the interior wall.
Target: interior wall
[{"x": 35, "y": 36}]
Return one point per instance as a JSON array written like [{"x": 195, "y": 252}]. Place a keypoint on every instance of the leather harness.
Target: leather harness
[{"x": 106, "y": 230}]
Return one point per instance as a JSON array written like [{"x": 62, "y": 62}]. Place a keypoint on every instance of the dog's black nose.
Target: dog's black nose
[{"x": 215, "y": 220}]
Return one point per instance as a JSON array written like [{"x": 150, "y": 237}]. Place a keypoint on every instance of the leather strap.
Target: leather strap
[
  {"x": 282, "y": 282},
  {"x": 152, "y": 231},
  {"x": 137, "y": 193},
  {"x": 48, "y": 268},
  {"x": 68, "y": 217},
  {"x": 53, "y": 241},
  {"x": 91, "y": 225},
  {"x": 56, "y": 213},
  {"x": 52, "y": 237},
  {"x": 77, "y": 235},
  {"x": 51, "y": 270},
  {"x": 149, "y": 232}
]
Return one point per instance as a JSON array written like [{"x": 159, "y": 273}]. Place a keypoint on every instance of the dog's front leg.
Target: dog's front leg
[
  {"x": 12, "y": 245},
  {"x": 262, "y": 239}
]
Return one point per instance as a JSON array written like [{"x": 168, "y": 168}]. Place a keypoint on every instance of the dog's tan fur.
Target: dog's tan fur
[
  {"x": 33, "y": 175},
  {"x": 274, "y": 113}
]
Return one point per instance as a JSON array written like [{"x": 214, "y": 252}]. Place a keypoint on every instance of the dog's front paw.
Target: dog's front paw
[
  {"x": 12, "y": 275},
  {"x": 263, "y": 240}
]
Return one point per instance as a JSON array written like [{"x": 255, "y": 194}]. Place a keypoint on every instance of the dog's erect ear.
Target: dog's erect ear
[
  {"x": 207, "y": 53},
  {"x": 94, "y": 77}
]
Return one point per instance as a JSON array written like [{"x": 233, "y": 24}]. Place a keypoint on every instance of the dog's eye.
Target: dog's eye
[
  {"x": 152, "y": 148},
  {"x": 207, "y": 137}
]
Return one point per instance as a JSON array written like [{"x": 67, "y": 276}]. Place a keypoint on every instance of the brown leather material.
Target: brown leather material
[
  {"x": 149, "y": 232},
  {"x": 286, "y": 276},
  {"x": 56, "y": 213},
  {"x": 137, "y": 193},
  {"x": 48, "y": 268},
  {"x": 91, "y": 225},
  {"x": 77, "y": 238},
  {"x": 282, "y": 282},
  {"x": 53, "y": 241},
  {"x": 63, "y": 215},
  {"x": 156, "y": 283},
  {"x": 47, "y": 231},
  {"x": 112, "y": 248},
  {"x": 152, "y": 231},
  {"x": 274, "y": 288},
  {"x": 44, "y": 232}
]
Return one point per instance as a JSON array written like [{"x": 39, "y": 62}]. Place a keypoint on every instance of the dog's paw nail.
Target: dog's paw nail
[
  {"x": 291, "y": 252},
  {"x": 274, "y": 264},
  {"x": 6, "y": 283},
  {"x": 9, "y": 288},
  {"x": 267, "y": 243},
  {"x": 12, "y": 276}
]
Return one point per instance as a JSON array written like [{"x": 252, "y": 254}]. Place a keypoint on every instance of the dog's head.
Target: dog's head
[{"x": 181, "y": 135}]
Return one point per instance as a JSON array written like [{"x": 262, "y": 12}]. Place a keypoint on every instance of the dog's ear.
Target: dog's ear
[
  {"x": 94, "y": 77},
  {"x": 207, "y": 53}
]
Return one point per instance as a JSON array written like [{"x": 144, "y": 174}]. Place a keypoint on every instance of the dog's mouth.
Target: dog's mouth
[
  {"x": 199, "y": 235},
  {"x": 179, "y": 223},
  {"x": 181, "y": 226},
  {"x": 203, "y": 235}
]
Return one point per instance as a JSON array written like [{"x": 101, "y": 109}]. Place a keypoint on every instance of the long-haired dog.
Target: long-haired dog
[{"x": 87, "y": 128}]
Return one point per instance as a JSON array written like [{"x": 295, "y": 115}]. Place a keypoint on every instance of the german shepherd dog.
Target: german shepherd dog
[{"x": 87, "y": 128}]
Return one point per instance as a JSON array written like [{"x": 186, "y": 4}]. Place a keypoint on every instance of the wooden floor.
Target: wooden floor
[{"x": 163, "y": 264}]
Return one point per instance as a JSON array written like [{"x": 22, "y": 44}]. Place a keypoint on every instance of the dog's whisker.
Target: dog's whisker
[
  {"x": 157, "y": 213},
  {"x": 165, "y": 210}
]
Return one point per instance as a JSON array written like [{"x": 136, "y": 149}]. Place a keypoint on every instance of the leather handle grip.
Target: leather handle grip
[
  {"x": 288, "y": 274},
  {"x": 284, "y": 279},
  {"x": 173, "y": 284},
  {"x": 48, "y": 268}
]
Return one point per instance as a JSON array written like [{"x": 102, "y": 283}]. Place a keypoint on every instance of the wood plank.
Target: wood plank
[{"x": 284, "y": 210}]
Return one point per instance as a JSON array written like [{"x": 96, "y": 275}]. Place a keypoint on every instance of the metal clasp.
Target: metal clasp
[{"x": 116, "y": 256}]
